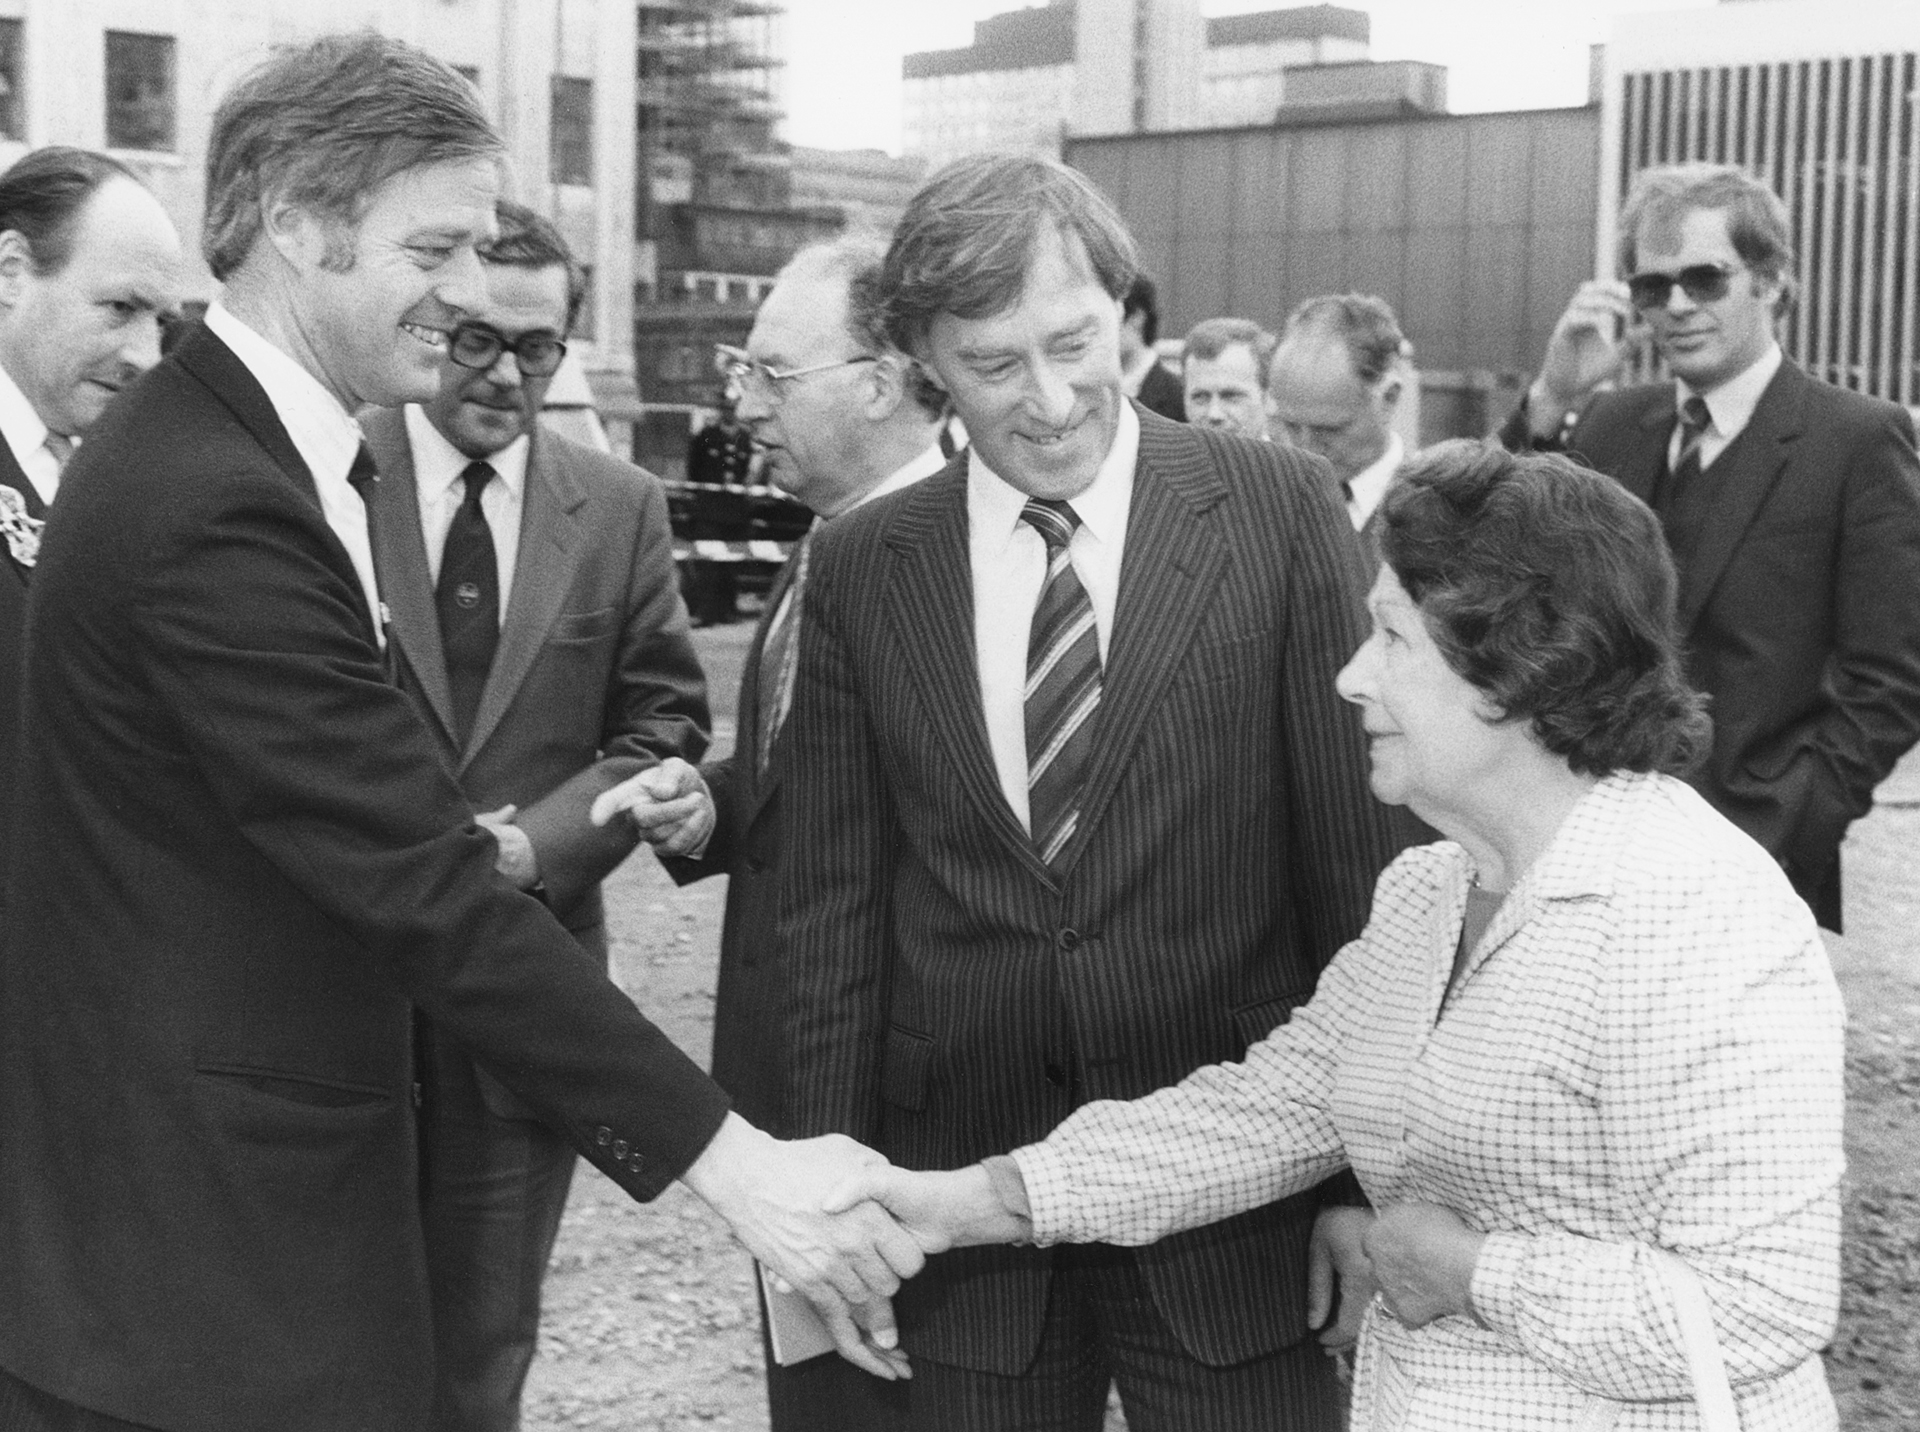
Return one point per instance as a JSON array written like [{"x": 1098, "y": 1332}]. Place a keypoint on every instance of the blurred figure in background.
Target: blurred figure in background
[
  {"x": 1142, "y": 375},
  {"x": 1224, "y": 364}
]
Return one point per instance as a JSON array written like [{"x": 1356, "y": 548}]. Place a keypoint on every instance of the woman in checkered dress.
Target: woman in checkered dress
[{"x": 1592, "y": 1023}]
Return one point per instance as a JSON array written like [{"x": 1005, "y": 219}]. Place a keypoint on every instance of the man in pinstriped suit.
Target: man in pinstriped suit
[{"x": 1075, "y": 810}]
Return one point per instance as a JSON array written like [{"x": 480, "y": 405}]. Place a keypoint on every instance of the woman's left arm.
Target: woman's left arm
[{"x": 1721, "y": 1100}]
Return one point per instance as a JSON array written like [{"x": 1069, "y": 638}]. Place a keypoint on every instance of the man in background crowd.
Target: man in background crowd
[
  {"x": 249, "y": 861},
  {"x": 1224, "y": 365},
  {"x": 844, "y": 417},
  {"x": 90, "y": 272},
  {"x": 1336, "y": 383},
  {"x": 1792, "y": 508},
  {"x": 1143, "y": 377},
  {"x": 537, "y": 625}
]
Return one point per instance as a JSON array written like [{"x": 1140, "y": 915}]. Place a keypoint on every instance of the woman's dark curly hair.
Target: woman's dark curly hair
[{"x": 1549, "y": 588}]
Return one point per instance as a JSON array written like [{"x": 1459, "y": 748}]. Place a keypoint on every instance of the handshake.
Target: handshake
[
  {"x": 842, "y": 1226},
  {"x": 669, "y": 804}
]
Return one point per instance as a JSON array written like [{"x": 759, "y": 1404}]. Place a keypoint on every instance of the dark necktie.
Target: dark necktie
[
  {"x": 468, "y": 599},
  {"x": 1694, "y": 422},
  {"x": 780, "y": 655},
  {"x": 1063, "y": 686},
  {"x": 364, "y": 477}
]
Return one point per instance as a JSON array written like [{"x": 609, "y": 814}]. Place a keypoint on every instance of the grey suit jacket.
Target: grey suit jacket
[
  {"x": 951, "y": 996},
  {"x": 595, "y": 676}
]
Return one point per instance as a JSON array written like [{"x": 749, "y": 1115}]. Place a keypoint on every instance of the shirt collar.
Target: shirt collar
[
  {"x": 1369, "y": 484},
  {"x": 20, "y": 425},
  {"x": 437, "y": 463},
  {"x": 323, "y": 432},
  {"x": 1731, "y": 404},
  {"x": 994, "y": 504},
  {"x": 924, "y": 464}
]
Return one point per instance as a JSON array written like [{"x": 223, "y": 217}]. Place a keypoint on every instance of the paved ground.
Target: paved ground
[{"x": 650, "y": 1320}]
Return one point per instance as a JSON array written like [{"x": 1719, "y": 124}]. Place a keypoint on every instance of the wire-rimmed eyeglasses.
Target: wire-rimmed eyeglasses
[
  {"x": 478, "y": 345},
  {"x": 747, "y": 375}
]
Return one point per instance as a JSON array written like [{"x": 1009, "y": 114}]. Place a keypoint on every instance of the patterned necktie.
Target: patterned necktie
[
  {"x": 1063, "y": 686},
  {"x": 780, "y": 655},
  {"x": 1694, "y": 422},
  {"x": 468, "y": 599},
  {"x": 61, "y": 446}
]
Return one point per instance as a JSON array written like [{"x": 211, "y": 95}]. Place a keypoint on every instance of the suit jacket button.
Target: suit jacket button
[
  {"x": 603, "y": 1136},
  {"x": 637, "y": 1162},
  {"x": 1056, "y": 1075},
  {"x": 619, "y": 1150},
  {"x": 1068, "y": 939}
]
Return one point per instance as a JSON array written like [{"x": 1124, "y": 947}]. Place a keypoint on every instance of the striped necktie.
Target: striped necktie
[
  {"x": 1694, "y": 422},
  {"x": 1063, "y": 686},
  {"x": 780, "y": 655}
]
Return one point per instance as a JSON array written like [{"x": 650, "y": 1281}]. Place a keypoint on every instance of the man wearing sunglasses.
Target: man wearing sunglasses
[
  {"x": 1792, "y": 509},
  {"x": 538, "y": 627}
]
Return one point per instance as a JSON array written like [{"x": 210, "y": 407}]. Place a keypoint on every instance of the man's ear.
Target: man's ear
[
  {"x": 16, "y": 266},
  {"x": 1390, "y": 395},
  {"x": 297, "y": 233},
  {"x": 886, "y": 388}
]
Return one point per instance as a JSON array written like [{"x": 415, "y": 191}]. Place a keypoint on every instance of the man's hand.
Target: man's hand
[
  {"x": 1423, "y": 1256},
  {"x": 957, "y": 1208},
  {"x": 848, "y": 1264},
  {"x": 1338, "y": 1251},
  {"x": 514, "y": 858},
  {"x": 669, "y": 804},
  {"x": 1587, "y": 348}
]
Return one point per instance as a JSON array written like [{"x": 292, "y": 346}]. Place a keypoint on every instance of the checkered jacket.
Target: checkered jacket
[{"x": 1645, "y": 1050}]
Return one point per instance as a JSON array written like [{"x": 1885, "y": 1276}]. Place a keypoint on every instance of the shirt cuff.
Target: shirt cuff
[{"x": 1495, "y": 1291}]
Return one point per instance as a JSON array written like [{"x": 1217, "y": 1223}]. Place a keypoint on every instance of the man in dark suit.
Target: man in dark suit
[
  {"x": 249, "y": 861},
  {"x": 538, "y": 626},
  {"x": 862, "y": 422},
  {"x": 89, "y": 271},
  {"x": 1792, "y": 508},
  {"x": 1142, "y": 375},
  {"x": 1075, "y": 809},
  {"x": 1335, "y": 384}
]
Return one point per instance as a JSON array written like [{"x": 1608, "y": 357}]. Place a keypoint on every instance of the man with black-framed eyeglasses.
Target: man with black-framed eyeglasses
[
  {"x": 1792, "y": 508},
  {"x": 538, "y": 627}
]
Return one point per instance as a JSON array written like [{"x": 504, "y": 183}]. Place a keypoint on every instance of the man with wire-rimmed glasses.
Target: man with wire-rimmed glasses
[
  {"x": 1792, "y": 508},
  {"x": 539, "y": 629},
  {"x": 842, "y": 417}
]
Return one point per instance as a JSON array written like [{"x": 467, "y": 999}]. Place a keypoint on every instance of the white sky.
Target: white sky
[{"x": 843, "y": 72}]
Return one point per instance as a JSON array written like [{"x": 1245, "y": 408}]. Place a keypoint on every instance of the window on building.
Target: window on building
[
  {"x": 140, "y": 91},
  {"x": 570, "y": 150},
  {"x": 13, "y": 117}
]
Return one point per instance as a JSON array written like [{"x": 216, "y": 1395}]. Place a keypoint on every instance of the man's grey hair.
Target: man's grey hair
[{"x": 858, "y": 260}]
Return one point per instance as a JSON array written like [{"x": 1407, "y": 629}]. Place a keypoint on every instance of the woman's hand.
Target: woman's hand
[{"x": 1423, "y": 1257}]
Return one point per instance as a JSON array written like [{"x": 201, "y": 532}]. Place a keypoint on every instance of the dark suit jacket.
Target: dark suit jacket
[
  {"x": 1800, "y": 609},
  {"x": 595, "y": 676},
  {"x": 1162, "y": 393},
  {"x": 749, "y": 1013},
  {"x": 247, "y": 863},
  {"x": 13, "y": 618},
  {"x": 946, "y": 983}
]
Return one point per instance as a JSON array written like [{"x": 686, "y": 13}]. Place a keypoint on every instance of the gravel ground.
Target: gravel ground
[{"x": 650, "y": 1322}]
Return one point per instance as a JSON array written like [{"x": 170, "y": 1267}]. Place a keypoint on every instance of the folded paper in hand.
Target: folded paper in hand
[{"x": 794, "y": 1326}]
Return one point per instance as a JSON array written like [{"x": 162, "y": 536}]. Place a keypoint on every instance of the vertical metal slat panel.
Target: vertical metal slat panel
[
  {"x": 1843, "y": 189},
  {"x": 1909, "y": 389},
  {"x": 1831, "y": 120},
  {"x": 1872, "y": 296},
  {"x": 1709, "y": 109}
]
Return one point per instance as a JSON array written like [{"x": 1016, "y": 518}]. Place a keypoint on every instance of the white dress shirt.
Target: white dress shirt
[
  {"x": 437, "y": 465},
  {"x": 26, "y": 435},
  {"x": 1370, "y": 484},
  {"x": 1010, "y": 567},
  {"x": 1644, "y": 1049},
  {"x": 323, "y": 433},
  {"x": 1730, "y": 406}
]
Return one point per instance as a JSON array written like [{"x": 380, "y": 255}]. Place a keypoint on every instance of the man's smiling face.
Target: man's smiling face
[{"x": 1038, "y": 384}]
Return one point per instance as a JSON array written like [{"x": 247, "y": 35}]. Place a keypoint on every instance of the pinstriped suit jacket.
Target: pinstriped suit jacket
[{"x": 943, "y": 980}]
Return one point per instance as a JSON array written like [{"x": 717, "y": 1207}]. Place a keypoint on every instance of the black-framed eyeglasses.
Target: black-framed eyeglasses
[
  {"x": 748, "y": 375},
  {"x": 1703, "y": 283},
  {"x": 478, "y": 345}
]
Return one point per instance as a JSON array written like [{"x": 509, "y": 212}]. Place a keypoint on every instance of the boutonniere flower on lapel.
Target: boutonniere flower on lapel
[{"x": 22, "y": 531}]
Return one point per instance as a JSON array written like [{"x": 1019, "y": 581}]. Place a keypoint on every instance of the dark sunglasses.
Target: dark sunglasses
[
  {"x": 475, "y": 345},
  {"x": 1703, "y": 283}
]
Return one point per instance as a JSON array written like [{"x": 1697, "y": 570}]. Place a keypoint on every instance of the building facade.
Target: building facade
[
  {"x": 139, "y": 79},
  {"x": 1032, "y": 78}
]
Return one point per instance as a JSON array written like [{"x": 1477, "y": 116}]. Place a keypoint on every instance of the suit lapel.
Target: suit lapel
[
  {"x": 400, "y": 558},
  {"x": 930, "y": 602},
  {"x": 1646, "y": 454},
  {"x": 1741, "y": 486},
  {"x": 220, "y": 370},
  {"x": 553, "y": 509},
  {"x": 1173, "y": 561}
]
